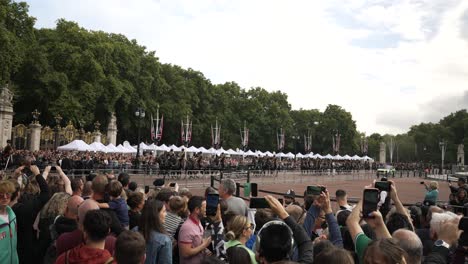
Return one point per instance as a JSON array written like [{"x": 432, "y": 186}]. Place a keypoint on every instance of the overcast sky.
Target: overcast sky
[{"x": 390, "y": 63}]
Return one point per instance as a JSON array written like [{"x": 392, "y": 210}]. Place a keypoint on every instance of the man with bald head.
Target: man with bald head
[
  {"x": 410, "y": 243},
  {"x": 68, "y": 221},
  {"x": 99, "y": 195},
  {"x": 72, "y": 239}
]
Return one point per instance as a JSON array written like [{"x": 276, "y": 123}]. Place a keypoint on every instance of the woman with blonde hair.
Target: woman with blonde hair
[
  {"x": 54, "y": 207},
  {"x": 432, "y": 192},
  {"x": 239, "y": 232}
]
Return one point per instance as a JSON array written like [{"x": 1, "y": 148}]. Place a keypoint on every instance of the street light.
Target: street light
[
  {"x": 296, "y": 139},
  {"x": 443, "y": 146},
  {"x": 139, "y": 114}
]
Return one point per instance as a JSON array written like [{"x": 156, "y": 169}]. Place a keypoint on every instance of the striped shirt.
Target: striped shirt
[{"x": 172, "y": 223}]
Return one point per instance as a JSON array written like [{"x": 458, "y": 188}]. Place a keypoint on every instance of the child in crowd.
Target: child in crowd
[{"x": 117, "y": 203}]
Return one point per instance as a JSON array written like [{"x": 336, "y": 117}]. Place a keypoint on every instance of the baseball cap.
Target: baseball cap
[{"x": 290, "y": 193}]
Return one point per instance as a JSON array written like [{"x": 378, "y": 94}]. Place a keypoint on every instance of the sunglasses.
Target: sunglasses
[
  {"x": 250, "y": 227},
  {"x": 5, "y": 195}
]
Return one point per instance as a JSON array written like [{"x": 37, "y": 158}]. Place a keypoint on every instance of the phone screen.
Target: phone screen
[
  {"x": 212, "y": 201},
  {"x": 382, "y": 185},
  {"x": 172, "y": 184},
  {"x": 258, "y": 203},
  {"x": 314, "y": 190},
  {"x": 146, "y": 189},
  {"x": 254, "y": 189},
  {"x": 281, "y": 200},
  {"x": 371, "y": 199}
]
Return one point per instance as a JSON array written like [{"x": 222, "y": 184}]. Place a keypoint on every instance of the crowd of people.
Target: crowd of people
[
  {"x": 154, "y": 163},
  {"x": 46, "y": 217}
]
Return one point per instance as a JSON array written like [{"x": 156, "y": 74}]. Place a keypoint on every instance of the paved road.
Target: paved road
[{"x": 409, "y": 188}]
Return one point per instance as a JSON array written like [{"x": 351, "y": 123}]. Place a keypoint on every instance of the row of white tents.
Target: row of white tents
[{"x": 80, "y": 145}]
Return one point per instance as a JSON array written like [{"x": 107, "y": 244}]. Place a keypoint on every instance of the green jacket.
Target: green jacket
[
  {"x": 8, "y": 239},
  {"x": 237, "y": 243}
]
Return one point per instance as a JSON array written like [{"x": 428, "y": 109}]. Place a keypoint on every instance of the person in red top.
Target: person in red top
[{"x": 96, "y": 227}]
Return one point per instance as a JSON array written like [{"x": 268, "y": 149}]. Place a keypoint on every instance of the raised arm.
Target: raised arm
[
  {"x": 65, "y": 180},
  {"x": 378, "y": 225},
  {"x": 399, "y": 205},
  {"x": 333, "y": 227},
  {"x": 353, "y": 220},
  {"x": 43, "y": 187},
  {"x": 309, "y": 221}
]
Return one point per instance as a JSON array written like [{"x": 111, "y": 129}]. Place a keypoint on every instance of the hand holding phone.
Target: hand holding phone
[
  {"x": 315, "y": 190},
  {"x": 370, "y": 201},
  {"x": 257, "y": 202},
  {"x": 383, "y": 186},
  {"x": 212, "y": 201}
]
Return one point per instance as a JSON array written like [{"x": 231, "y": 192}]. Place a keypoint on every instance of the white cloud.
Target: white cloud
[{"x": 301, "y": 48}]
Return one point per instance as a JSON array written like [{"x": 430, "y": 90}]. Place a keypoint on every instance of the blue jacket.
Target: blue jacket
[
  {"x": 8, "y": 239},
  {"x": 158, "y": 248},
  {"x": 333, "y": 227}
]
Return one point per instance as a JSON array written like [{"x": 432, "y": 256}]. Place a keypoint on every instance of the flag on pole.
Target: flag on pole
[
  {"x": 182, "y": 132},
  {"x": 152, "y": 129},
  {"x": 159, "y": 133}
]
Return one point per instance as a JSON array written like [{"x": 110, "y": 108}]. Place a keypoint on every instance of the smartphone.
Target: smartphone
[
  {"x": 383, "y": 185},
  {"x": 146, "y": 189},
  {"x": 53, "y": 168},
  {"x": 371, "y": 199},
  {"x": 281, "y": 200},
  {"x": 256, "y": 202},
  {"x": 172, "y": 184},
  {"x": 422, "y": 182},
  {"x": 212, "y": 201},
  {"x": 315, "y": 190},
  {"x": 253, "y": 189}
]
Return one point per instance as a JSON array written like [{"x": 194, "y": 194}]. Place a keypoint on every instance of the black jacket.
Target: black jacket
[
  {"x": 302, "y": 240},
  {"x": 26, "y": 211},
  {"x": 63, "y": 225},
  {"x": 439, "y": 255}
]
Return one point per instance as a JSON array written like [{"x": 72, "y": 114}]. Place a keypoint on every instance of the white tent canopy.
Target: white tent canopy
[
  {"x": 192, "y": 149},
  {"x": 289, "y": 155},
  {"x": 232, "y": 152},
  {"x": 163, "y": 147},
  {"x": 259, "y": 153},
  {"x": 174, "y": 148},
  {"x": 203, "y": 150},
  {"x": 121, "y": 149},
  {"x": 98, "y": 146},
  {"x": 337, "y": 157},
  {"x": 249, "y": 153},
  {"x": 221, "y": 151},
  {"x": 76, "y": 145},
  {"x": 299, "y": 155},
  {"x": 111, "y": 148}
]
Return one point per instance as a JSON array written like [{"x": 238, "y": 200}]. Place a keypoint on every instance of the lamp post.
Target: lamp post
[
  {"x": 443, "y": 146},
  {"x": 139, "y": 114},
  {"x": 58, "y": 119},
  {"x": 296, "y": 139}
]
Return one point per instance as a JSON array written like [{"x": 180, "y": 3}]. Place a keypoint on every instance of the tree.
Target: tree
[{"x": 16, "y": 32}]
